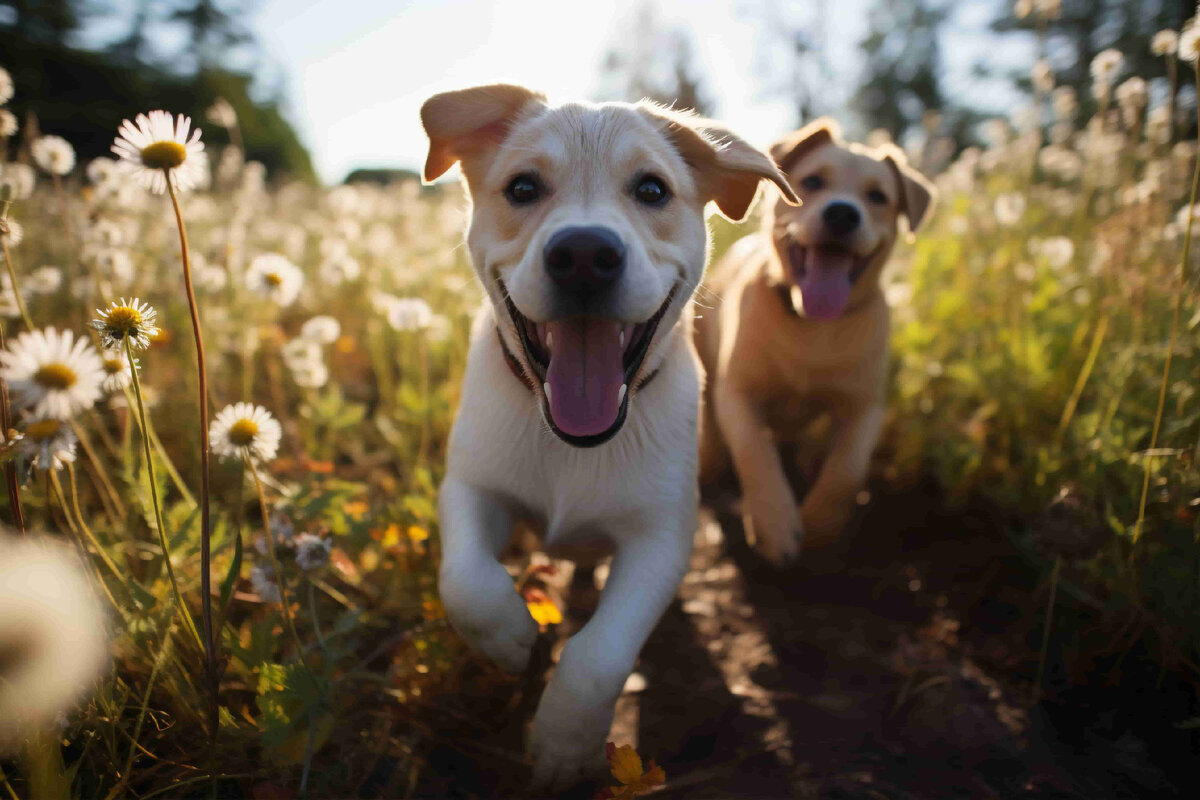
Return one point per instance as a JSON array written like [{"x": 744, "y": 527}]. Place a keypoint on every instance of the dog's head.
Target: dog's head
[
  {"x": 587, "y": 230},
  {"x": 834, "y": 246}
]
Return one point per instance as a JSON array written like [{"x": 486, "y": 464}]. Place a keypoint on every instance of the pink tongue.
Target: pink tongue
[
  {"x": 585, "y": 375},
  {"x": 826, "y": 286}
]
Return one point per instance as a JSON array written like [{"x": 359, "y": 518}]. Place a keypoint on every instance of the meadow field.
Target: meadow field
[{"x": 1046, "y": 367}]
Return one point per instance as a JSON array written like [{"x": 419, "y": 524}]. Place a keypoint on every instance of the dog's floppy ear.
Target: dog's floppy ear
[
  {"x": 728, "y": 170},
  {"x": 917, "y": 194},
  {"x": 465, "y": 122},
  {"x": 797, "y": 144}
]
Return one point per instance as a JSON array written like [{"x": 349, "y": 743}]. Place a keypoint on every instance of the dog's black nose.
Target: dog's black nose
[
  {"x": 585, "y": 259},
  {"x": 841, "y": 218}
]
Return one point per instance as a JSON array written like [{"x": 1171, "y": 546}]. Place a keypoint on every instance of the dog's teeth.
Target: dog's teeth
[
  {"x": 549, "y": 340},
  {"x": 621, "y": 337},
  {"x": 621, "y": 394},
  {"x": 546, "y": 389}
]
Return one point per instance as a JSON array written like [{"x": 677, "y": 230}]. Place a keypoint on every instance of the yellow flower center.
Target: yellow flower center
[
  {"x": 55, "y": 376},
  {"x": 242, "y": 432},
  {"x": 122, "y": 320},
  {"x": 43, "y": 429},
  {"x": 163, "y": 155},
  {"x": 113, "y": 365},
  {"x": 273, "y": 279}
]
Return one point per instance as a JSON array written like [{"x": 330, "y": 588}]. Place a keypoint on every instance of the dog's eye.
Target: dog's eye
[
  {"x": 523, "y": 189},
  {"x": 877, "y": 197},
  {"x": 812, "y": 182},
  {"x": 651, "y": 190}
]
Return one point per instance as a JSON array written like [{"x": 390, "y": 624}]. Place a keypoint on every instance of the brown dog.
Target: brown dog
[{"x": 801, "y": 327}]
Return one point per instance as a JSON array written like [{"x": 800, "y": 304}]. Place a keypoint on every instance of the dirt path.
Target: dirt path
[{"x": 897, "y": 668}]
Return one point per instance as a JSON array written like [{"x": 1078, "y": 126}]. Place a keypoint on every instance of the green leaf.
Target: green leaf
[{"x": 235, "y": 571}]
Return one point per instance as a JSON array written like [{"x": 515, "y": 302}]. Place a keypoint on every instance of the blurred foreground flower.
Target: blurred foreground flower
[
  {"x": 246, "y": 431},
  {"x": 54, "y": 636},
  {"x": 158, "y": 145},
  {"x": 626, "y": 767},
  {"x": 51, "y": 373}
]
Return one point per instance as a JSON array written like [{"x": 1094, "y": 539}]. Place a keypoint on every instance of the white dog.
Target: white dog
[{"x": 579, "y": 407}]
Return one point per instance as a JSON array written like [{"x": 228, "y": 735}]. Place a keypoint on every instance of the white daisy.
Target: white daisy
[
  {"x": 126, "y": 320},
  {"x": 48, "y": 443},
  {"x": 209, "y": 277},
  {"x": 336, "y": 270},
  {"x": 52, "y": 374},
  {"x": 54, "y": 154},
  {"x": 1164, "y": 42},
  {"x": 20, "y": 177},
  {"x": 1133, "y": 93},
  {"x": 158, "y": 144},
  {"x": 6, "y": 86},
  {"x": 102, "y": 171},
  {"x": 1189, "y": 42},
  {"x": 8, "y": 123},
  {"x": 322, "y": 329},
  {"x": 12, "y": 232},
  {"x": 311, "y": 376},
  {"x": 44, "y": 280},
  {"x": 117, "y": 373},
  {"x": 244, "y": 430},
  {"x": 275, "y": 277},
  {"x": 409, "y": 314},
  {"x": 301, "y": 353},
  {"x": 312, "y": 552},
  {"x": 1106, "y": 64}
]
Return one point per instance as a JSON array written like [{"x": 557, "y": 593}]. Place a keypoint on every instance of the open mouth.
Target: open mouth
[
  {"x": 825, "y": 274},
  {"x": 586, "y": 366}
]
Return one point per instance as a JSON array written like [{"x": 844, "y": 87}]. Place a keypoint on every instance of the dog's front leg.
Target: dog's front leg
[
  {"x": 769, "y": 505},
  {"x": 827, "y": 507},
  {"x": 576, "y": 710},
  {"x": 478, "y": 593}
]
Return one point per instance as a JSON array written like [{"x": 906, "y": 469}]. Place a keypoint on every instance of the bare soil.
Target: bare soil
[{"x": 897, "y": 665}]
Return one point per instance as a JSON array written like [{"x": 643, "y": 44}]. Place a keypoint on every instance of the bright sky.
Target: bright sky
[{"x": 357, "y": 71}]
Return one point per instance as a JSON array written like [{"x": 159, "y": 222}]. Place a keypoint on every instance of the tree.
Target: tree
[
  {"x": 650, "y": 61},
  {"x": 901, "y": 76},
  {"x": 83, "y": 95},
  {"x": 793, "y": 59}
]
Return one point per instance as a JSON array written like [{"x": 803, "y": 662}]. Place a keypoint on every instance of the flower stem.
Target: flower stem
[
  {"x": 210, "y": 654},
  {"x": 1180, "y": 283},
  {"x": 10, "y": 469},
  {"x": 283, "y": 597},
  {"x": 158, "y": 520}
]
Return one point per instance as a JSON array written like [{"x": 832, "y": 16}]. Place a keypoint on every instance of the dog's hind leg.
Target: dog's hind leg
[
  {"x": 576, "y": 711},
  {"x": 477, "y": 591}
]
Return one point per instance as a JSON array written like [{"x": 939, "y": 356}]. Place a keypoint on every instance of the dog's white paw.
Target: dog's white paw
[
  {"x": 485, "y": 609},
  {"x": 778, "y": 533},
  {"x": 573, "y": 721}
]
